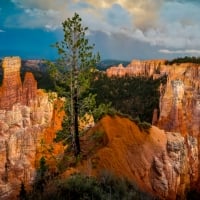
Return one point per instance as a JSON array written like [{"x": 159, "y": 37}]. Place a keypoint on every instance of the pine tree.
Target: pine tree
[
  {"x": 72, "y": 74},
  {"x": 41, "y": 177},
  {"x": 22, "y": 193},
  {"x": 43, "y": 167}
]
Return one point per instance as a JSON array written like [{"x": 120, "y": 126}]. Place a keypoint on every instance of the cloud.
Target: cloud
[
  {"x": 143, "y": 13},
  {"x": 184, "y": 1},
  {"x": 162, "y": 23},
  {"x": 38, "y": 14},
  {"x": 33, "y": 18},
  {"x": 185, "y": 51},
  {"x": 41, "y": 4},
  {"x": 123, "y": 47},
  {"x": 179, "y": 26},
  {"x": 116, "y": 16}
]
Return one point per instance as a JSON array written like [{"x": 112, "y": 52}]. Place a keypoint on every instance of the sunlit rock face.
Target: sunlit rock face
[
  {"x": 138, "y": 68},
  {"x": 163, "y": 164},
  {"x": 180, "y": 112},
  {"x": 25, "y": 113},
  {"x": 180, "y": 98},
  {"x": 177, "y": 169},
  {"x": 170, "y": 174},
  {"x": 180, "y": 101},
  {"x": 12, "y": 90},
  {"x": 29, "y": 89}
]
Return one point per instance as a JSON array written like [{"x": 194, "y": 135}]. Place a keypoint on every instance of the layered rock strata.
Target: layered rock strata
[
  {"x": 25, "y": 114},
  {"x": 159, "y": 162},
  {"x": 138, "y": 68},
  {"x": 164, "y": 162},
  {"x": 179, "y": 108},
  {"x": 180, "y": 112},
  {"x": 12, "y": 90},
  {"x": 180, "y": 102},
  {"x": 179, "y": 116}
]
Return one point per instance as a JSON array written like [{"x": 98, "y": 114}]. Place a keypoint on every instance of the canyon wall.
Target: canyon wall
[
  {"x": 179, "y": 117},
  {"x": 180, "y": 100},
  {"x": 164, "y": 162},
  {"x": 156, "y": 161},
  {"x": 26, "y": 113},
  {"x": 180, "y": 112},
  {"x": 138, "y": 68},
  {"x": 179, "y": 108}
]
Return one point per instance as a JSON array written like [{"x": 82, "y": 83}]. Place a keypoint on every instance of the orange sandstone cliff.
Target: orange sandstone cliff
[
  {"x": 27, "y": 117},
  {"x": 156, "y": 161},
  {"x": 180, "y": 100},
  {"x": 179, "y": 108},
  {"x": 138, "y": 68},
  {"x": 163, "y": 162},
  {"x": 12, "y": 90},
  {"x": 180, "y": 112},
  {"x": 179, "y": 118}
]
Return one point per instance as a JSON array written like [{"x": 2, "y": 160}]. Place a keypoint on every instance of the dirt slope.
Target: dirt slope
[{"x": 117, "y": 145}]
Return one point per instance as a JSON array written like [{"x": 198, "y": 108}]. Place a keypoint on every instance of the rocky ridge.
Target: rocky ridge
[
  {"x": 138, "y": 68},
  {"x": 156, "y": 161}
]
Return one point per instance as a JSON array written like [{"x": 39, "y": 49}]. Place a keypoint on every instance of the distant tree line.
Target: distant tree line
[{"x": 185, "y": 59}]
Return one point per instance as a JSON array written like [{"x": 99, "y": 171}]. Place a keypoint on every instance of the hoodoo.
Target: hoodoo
[
  {"x": 26, "y": 117},
  {"x": 12, "y": 91}
]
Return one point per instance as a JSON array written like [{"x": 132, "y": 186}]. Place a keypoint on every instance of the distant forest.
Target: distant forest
[
  {"x": 134, "y": 96},
  {"x": 185, "y": 59}
]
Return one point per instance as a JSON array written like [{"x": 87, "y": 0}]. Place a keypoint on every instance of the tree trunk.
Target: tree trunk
[{"x": 77, "y": 142}]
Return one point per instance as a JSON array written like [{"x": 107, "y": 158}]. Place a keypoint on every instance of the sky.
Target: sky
[{"x": 120, "y": 29}]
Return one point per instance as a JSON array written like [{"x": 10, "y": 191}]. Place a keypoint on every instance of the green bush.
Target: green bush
[
  {"x": 103, "y": 109},
  {"x": 97, "y": 136},
  {"x": 145, "y": 126},
  {"x": 81, "y": 187}
]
